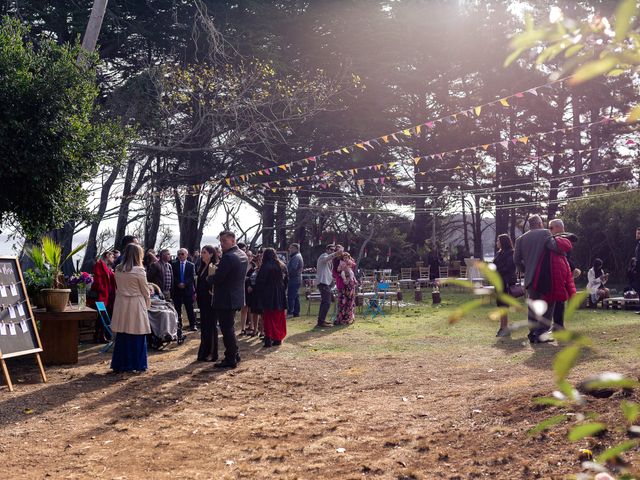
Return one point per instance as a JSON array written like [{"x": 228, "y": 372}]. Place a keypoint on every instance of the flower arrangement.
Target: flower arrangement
[{"x": 81, "y": 279}]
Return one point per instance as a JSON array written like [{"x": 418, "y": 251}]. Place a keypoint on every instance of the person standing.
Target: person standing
[
  {"x": 346, "y": 282},
  {"x": 155, "y": 274},
  {"x": 271, "y": 287},
  {"x": 556, "y": 227},
  {"x": 294, "y": 272},
  {"x": 103, "y": 287},
  {"x": 167, "y": 273},
  {"x": 208, "y": 351},
  {"x": 228, "y": 294},
  {"x": 130, "y": 321},
  {"x": 636, "y": 284},
  {"x": 183, "y": 288},
  {"x": 507, "y": 270},
  {"x": 324, "y": 279},
  {"x": 528, "y": 252},
  {"x": 126, "y": 240}
]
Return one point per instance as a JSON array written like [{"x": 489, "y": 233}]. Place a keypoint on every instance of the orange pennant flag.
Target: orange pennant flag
[
  {"x": 418, "y": 129},
  {"x": 282, "y": 167},
  {"x": 416, "y": 160},
  {"x": 524, "y": 140},
  {"x": 485, "y": 146},
  {"x": 361, "y": 145},
  {"x": 385, "y": 139}
]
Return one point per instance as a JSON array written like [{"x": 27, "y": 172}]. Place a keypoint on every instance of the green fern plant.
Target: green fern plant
[{"x": 48, "y": 257}]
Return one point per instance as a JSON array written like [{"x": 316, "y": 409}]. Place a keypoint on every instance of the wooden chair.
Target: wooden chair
[
  {"x": 423, "y": 275},
  {"x": 443, "y": 274},
  {"x": 463, "y": 272},
  {"x": 406, "y": 277}
]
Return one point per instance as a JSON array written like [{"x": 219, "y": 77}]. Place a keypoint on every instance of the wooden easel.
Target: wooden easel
[{"x": 32, "y": 321}]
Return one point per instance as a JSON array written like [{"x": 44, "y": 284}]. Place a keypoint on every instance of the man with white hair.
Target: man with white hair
[
  {"x": 184, "y": 274},
  {"x": 528, "y": 252}
]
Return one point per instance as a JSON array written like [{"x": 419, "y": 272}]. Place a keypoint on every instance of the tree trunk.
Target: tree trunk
[
  {"x": 576, "y": 191},
  {"x": 91, "y": 252},
  {"x": 302, "y": 216},
  {"x": 281, "y": 222},
  {"x": 188, "y": 216},
  {"x": 268, "y": 220},
  {"x": 123, "y": 211},
  {"x": 554, "y": 183},
  {"x": 477, "y": 229},
  {"x": 595, "y": 144},
  {"x": 465, "y": 232}
]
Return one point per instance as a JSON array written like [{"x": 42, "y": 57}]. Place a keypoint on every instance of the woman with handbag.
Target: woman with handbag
[{"x": 507, "y": 269}]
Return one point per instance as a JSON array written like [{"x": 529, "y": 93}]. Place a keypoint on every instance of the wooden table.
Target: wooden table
[{"x": 59, "y": 333}]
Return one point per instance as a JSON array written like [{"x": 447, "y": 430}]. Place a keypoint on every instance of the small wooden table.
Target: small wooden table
[{"x": 59, "y": 333}]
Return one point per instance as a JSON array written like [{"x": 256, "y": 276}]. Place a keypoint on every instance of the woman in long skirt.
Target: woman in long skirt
[
  {"x": 271, "y": 288},
  {"x": 130, "y": 320},
  {"x": 208, "y": 351},
  {"x": 347, "y": 293}
]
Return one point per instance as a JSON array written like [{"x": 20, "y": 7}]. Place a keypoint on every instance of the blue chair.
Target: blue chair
[
  {"x": 106, "y": 324},
  {"x": 384, "y": 289}
]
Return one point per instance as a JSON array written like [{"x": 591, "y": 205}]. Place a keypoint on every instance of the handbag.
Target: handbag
[{"x": 516, "y": 291}]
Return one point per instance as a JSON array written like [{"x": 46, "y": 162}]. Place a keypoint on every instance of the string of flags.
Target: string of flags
[
  {"x": 367, "y": 145},
  {"x": 326, "y": 178}
]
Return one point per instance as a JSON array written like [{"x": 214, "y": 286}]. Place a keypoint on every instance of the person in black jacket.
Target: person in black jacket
[
  {"x": 507, "y": 269},
  {"x": 228, "y": 295},
  {"x": 208, "y": 351},
  {"x": 271, "y": 288},
  {"x": 184, "y": 274}
]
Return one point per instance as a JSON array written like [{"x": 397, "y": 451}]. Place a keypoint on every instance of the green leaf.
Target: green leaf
[
  {"x": 454, "y": 281},
  {"x": 630, "y": 410},
  {"x": 465, "y": 309},
  {"x": 585, "y": 430},
  {"x": 634, "y": 115},
  {"x": 546, "y": 424},
  {"x": 492, "y": 276},
  {"x": 572, "y": 50},
  {"x": 574, "y": 303},
  {"x": 625, "y": 12},
  {"x": 554, "y": 402},
  {"x": 626, "y": 383},
  {"x": 513, "y": 57},
  {"x": 614, "y": 452},
  {"x": 565, "y": 360},
  {"x": 594, "y": 69},
  {"x": 616, "y": 72},
  {"x": 508, "y": 299}
]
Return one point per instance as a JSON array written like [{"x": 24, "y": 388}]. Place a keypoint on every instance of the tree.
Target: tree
[{"x": 51, "y": 134}]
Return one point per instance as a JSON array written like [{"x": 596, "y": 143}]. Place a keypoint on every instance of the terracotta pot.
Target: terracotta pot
[{"x": 55, "y": 299}]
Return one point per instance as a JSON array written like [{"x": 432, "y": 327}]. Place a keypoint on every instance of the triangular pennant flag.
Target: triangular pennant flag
[
  {"x": 345, "y": 150},
  {"x": 532, "y": 91},
  {"x": 418, "y": 129},
  {"x": 381, "y": 180},
  {"x": 503, "y": 102},
  {"x": 519, "y": 95},
  {"x": 360, "y": 145},
  {"x": 407, "y": 132},
  {"x": 429, "y": 124},
  {"x": 385, "y": 139},
  {"x": 630, "y": 142},
  {"x": 524, "y": 140},
  {"x": 477, "y": 110},
  {"x": 485, "y": 146},
  {"x": 505, "y": 143},
  {"x": 368, "y": 143},
  {"x": 417, "y": 160},
  {"x": 282, "y": 167},
  {"x": 393, "y": 135},
  {"x": 228, "y": 180},
  {"x": 514, "y": 140},
  {"x": 374, "y": 141}
]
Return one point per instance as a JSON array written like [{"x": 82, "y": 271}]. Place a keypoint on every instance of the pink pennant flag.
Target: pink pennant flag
[
  {"x": 630, "y": 142},
  {"x": 381, "y": 180},
  {"x": 429, "y": 124},
  {"x": 505, "y": 143},
  {"x": 519, "y": 95}
]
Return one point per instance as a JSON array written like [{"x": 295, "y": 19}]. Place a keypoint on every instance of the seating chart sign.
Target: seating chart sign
[{"x": 18, "y": 332}]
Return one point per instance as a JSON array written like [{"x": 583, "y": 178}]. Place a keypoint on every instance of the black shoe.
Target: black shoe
[
  {"x": 504, "y": 333},
  {"x": 193, "y": 329},
  {"x": 276, "y": 343},
  {"x": 226, "y": 364},
  {"x": 267, "y": 342},
  {"x": 324, "y": 325},
  {"x": 557, "y": 328}
]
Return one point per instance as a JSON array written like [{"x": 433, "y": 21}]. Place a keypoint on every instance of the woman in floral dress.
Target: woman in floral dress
[{"x": 346, "y": 283}]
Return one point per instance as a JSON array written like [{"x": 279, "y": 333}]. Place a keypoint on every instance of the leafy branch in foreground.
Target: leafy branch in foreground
[{"x": 567, "y": 398}]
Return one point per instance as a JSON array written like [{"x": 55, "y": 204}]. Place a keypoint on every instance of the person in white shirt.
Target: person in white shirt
[{"x": 324, "y": 279}]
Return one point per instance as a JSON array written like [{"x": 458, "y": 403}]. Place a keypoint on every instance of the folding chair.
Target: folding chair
[
  {"x": 374, "y": 308},
  {"x": 106, "y": 324}
]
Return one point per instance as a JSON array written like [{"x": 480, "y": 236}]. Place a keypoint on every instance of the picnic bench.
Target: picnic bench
[{"x": 621, "y": 303}]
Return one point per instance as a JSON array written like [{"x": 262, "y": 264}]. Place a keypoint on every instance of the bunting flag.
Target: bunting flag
[
  {"x": 406, "y": 132},
  {"x": 388, "y": 254}
]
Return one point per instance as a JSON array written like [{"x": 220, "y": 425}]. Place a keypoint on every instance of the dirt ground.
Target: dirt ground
[{"x": 308, "y": 409}]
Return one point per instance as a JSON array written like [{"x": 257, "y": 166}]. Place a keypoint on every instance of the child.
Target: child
[{"x": 346, "y": 266}]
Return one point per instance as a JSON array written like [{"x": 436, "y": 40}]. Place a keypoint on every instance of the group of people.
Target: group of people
[
  {"x": 222, "y": 280},
  {"x": 336, "y": 265},
  {"x": 543, "y": 256}
]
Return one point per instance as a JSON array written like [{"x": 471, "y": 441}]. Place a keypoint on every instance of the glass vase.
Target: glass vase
[{"x": 82, "y": 298}]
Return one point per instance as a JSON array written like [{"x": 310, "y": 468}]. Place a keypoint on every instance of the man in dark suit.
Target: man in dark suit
[
  {"x": 228, "y": 294},
  {"x": 184, "y": 273}
]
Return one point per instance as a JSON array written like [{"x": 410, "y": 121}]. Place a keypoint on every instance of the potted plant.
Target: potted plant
[{"x": 47, "y": 273}]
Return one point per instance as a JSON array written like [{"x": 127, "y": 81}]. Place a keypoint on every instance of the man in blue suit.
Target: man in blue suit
[{"x": 184, "y": 273}]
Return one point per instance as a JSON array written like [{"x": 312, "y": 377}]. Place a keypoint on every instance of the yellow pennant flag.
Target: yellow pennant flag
[
  {"x": 418, "y": 129},
  {"x": 282, "y": 167},
  {"x": 416, "y": 160},
  {"x": 345, "y": 150},
  {"x": 407, "y": 132},
  {"x": 477, "y": 110},
  {"x": 504, "y": 102},
  {"x": 228, "y": 180}
]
